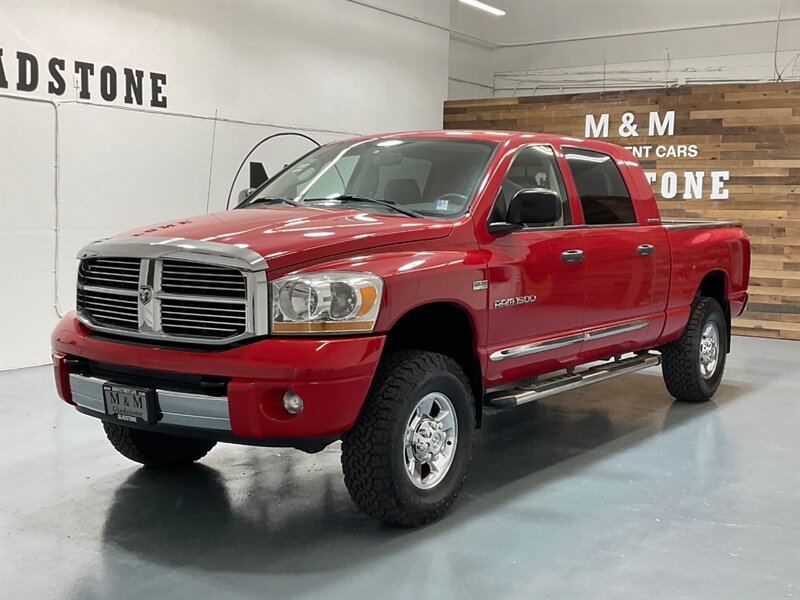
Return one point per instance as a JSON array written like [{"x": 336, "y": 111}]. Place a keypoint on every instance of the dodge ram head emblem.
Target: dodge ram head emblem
[{"x": 145, "y": 293}]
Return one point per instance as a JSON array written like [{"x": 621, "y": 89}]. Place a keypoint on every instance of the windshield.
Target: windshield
[{"x": 432, "y": 177}]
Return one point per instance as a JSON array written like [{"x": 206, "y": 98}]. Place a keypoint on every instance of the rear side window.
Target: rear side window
[{"x": 604, "y": 198}]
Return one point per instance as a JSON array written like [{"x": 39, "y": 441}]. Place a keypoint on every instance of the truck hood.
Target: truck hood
[{"x": 286, "y": 236}]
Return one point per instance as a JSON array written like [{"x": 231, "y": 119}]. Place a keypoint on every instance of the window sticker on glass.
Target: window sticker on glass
[{"x": 441, "y": 204}]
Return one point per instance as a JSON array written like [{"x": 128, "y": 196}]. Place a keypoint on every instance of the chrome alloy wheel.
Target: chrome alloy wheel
[
  {"x": 709, "y": 350},
  {"x": 430, "y": 440}
]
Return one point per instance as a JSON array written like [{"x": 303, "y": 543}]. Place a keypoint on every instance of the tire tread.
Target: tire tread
[
  {"x": 366, "y": 448},
  {"x": 156, "y": 449},
  {"x": 678, "y": 357}
]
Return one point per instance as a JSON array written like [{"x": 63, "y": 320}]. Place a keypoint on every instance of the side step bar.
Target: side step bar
[{"x": 571, "y": 380}]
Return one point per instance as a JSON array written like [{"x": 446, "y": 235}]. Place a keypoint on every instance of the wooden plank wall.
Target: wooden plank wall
[{"x": 750, "y": 130}]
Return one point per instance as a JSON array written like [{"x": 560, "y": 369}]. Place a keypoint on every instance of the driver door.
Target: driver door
[{"x": 536, "y": 278}]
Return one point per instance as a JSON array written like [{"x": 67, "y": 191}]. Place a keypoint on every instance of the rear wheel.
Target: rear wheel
[
  {"x": 693, "y": 364},
  {"x": 156, "y": 449},
  {"x": 405, "y": 459}
]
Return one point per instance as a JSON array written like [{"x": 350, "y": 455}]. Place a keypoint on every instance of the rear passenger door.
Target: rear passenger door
[{"x": 621, "y": 258}]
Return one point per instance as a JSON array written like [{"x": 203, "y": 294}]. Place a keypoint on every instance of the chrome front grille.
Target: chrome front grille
[
  {"x": 108, "y": 308},
  {"x": 196, "y": 279},
  {"x": 115, "y": 273},
  {"x": 168, "y": 299},
  {"x": 198, "y": 317}
]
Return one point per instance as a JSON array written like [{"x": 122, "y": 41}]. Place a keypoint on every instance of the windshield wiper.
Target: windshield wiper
[
  {"x": 273, "y": 200},
  {"x": 386, "y": 203}
]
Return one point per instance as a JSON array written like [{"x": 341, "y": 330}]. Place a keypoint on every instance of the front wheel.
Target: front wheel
[
  {"x": 405, "y": 459},
  {"x": 693, "y": 364}
]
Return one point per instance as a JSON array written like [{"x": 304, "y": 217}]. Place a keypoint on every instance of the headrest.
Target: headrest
[{"x": 403, "y": 191}]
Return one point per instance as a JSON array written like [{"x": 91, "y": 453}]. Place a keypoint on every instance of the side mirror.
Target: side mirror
[
  {"x": 537, "y": 206},
  {"x": 244, "y": 194}
]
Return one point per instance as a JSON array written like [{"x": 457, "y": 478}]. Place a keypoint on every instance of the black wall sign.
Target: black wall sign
[{"x": 54, "y": 75}]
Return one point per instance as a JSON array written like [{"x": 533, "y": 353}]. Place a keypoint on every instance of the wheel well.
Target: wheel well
[
  {"x": 713, "y": 285},
  {"x": 444, "y": 328}
]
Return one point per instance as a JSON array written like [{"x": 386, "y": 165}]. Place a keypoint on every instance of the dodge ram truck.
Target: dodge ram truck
[{"x": 383, "y": 291}]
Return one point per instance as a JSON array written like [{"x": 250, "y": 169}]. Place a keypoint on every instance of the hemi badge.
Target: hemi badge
[{"x": 482, "y": 284}]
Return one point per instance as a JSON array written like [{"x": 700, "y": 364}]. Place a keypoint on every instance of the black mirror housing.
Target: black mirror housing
[
  {"x": 244, "y": 194},
  {"x": 537, "y": 206}
]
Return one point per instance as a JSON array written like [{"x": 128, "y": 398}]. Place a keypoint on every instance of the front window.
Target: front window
[
  {"x": 534, "y": 167},
  {"x": 432, "y": 177}
]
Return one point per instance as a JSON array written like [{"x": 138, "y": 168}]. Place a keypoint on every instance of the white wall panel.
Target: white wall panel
[
  {"x": 471, "y": 71},
  {"x": 544, "y": 20},
  {"x": 550, "y": 46},
  {"x": 27, "y": 239},
  {"x": 328, "y": 68},
  {"x": 737, "y": 53}
]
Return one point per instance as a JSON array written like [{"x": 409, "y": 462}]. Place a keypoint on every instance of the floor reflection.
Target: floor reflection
[{"x": 286, "y": 512}]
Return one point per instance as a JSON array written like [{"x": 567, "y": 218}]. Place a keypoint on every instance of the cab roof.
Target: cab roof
[{"x": 513, "y": 137}]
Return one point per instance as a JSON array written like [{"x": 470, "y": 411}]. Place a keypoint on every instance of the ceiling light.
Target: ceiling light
[{"x": 497, "y": 12}]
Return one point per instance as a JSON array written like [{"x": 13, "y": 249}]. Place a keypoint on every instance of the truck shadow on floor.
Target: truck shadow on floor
[{"x": 279, "y": 511}]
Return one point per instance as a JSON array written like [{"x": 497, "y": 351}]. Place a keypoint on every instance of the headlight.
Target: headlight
[{"x": 326, "y": 302}]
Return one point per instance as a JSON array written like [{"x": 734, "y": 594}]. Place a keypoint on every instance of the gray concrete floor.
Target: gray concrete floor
[{"x": 614, "y": 491}]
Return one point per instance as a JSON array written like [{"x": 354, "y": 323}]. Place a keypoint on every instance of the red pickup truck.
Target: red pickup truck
[{"x": 383, "y": 291}]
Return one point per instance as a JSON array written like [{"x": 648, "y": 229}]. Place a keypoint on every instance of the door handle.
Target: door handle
[
  {"x": 645, "y": 249},
  {"x": 572, "y": 256}
]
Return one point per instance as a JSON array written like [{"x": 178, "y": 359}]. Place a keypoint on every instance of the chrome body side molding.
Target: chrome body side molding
[
  {"x": 560, "y": 342},
  {"x": 689, "y": 224},
  {"x": 596, "y": 334},
  {"x": 534, "y": 347}
]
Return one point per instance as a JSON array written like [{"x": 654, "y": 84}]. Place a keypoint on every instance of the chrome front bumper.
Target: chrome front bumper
[{"x": 177, "y": 408}]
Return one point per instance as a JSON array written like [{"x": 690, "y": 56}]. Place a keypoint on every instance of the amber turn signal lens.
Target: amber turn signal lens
[{"x": 368, "y": 297}]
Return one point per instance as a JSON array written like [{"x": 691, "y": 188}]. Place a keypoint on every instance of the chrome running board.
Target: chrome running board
[{"x": 571, "y": 380}]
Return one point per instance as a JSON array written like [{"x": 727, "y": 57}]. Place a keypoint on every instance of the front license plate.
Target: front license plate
[{"x": 131, "y": 404}]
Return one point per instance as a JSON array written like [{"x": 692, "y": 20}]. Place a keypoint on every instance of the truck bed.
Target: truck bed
[{"x": 700, "y": 247}]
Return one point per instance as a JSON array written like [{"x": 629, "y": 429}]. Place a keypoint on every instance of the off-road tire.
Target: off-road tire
[
  {"x": 156, "y": 449},
  {"x": 681, "y": 364},
  {"x": 372, "y": 451}
]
